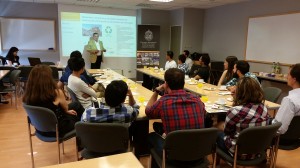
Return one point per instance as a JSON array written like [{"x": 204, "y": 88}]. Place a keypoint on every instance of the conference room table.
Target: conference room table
[
  {"x": 123, "y": 160},
  {"x": 216, "y": 99},
  {"x": 211, "y": 93},
  {"x": 141, "y": 95},
  {"x": 3, "y": 73},
  {"x": 276, "y": 78}
]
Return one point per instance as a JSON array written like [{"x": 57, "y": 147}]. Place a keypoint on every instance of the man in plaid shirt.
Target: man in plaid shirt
[
  {"x": 114, "y": 111},
  {"x": 241, "y": 69},
  {"x": 177, "y": 109}
]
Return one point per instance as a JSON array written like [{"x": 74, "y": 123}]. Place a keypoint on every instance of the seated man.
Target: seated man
[
  {"x": 188, "y": 60},
  {"x": 241, "y": 69},
  {"x": 196, "y": 65},
  {"x": 86, "y": 94},
  {"x": 290, "y": 105},
  {"x": 84, "y": 76},
  {"x": 203, "y": 71},
  {"x": 170, "y": 63},
  {"x": 114, "y": 111},
  {"x": 177, "y": 109},
  {"x": 181, "y": 64}
]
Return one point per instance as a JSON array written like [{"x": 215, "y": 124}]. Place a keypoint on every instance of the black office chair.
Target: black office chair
[
  {"x": 55, "y": 73},
  {"x": 25, "y": 71},
  {"x": 3, "y": 60},
  {"x": 272, "y": 93},
  {"x": 48, "y": 63},
  {"x": 43, "y": 119},
  {"x": 187, "y": 148},
  {"x": 291, "y": 139},
  {"x": 101, "y": 139},
  {"x": 253, "y": 140},
  {"x": 73, "y": 95},
  {"x": 12, "y": 85}
]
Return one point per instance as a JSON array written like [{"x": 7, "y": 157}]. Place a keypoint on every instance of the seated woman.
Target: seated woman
[
  {"x": 41, "y": 90},
  {"x": 204, "y": 70},
  {"x": 227, "y": 75},
  {"x": 85, "y": 93},
  {"x": 248, "y": 111},
  {"x": 181, "y": 64},
  {"x": 196, "y": 65},
  {"x": 12, "y": 57}
]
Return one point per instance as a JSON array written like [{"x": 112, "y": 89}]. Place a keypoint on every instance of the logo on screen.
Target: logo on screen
[{"x": 148, "y": 35}]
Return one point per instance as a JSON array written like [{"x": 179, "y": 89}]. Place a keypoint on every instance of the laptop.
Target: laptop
[{"x": 34, "y": 61}]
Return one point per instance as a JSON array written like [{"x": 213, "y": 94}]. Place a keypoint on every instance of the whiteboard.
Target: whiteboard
[
  {"x": 274, "y": 39},
  {"x": 28, "y": 34}
]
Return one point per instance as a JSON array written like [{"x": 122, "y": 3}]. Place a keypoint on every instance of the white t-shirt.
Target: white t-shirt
[
  {"x": 79, "y": 87},
  {"x": 170, "y": 64},
  {"x": 189, "y": 63}
]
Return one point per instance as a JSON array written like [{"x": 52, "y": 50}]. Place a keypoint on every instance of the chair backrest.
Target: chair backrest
[
  {"x": 272, "y": 93},
  {"x": 256, "y": 139},
  {"x": 72, "y": 94},
  {"x": 102, "y": 137},
  {"x": 55, "y": 72},
  {"x": 14, "y": 76},
  {"x": 43, "y": 119},
  {"x": 3, "y": 60},
  {"x": 48, "y": 63},
  {"x": 25, "y": 71},
  {"x": 34, "y": 61},
  {"x": 191, "y": 144},
  {"x": 293, "y": 132}
]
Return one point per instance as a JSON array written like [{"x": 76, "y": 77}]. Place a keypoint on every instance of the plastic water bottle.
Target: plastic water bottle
[{"x": 273, "y": 67}]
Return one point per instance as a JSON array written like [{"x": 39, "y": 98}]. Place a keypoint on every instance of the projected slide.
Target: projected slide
[{"x": 118, "y": 33}]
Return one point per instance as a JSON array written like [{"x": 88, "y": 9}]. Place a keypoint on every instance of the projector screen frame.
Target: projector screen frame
[{"x": 247, "y": 37}]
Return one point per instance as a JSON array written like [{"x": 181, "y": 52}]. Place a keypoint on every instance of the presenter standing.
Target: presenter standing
[{"x": 96, "y": 49}]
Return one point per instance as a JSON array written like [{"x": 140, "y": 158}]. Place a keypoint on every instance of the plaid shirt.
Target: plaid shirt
[
  {"x": 184, "y": 67},
  {"x": 239, "y": 118},
  {"x": 105, "y": 114},
  {"x": 234, "y": 81},
  {"x": 178, "y": 110}
]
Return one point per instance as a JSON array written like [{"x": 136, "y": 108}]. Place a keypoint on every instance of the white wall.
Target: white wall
[{"x": 225, "y": 27}]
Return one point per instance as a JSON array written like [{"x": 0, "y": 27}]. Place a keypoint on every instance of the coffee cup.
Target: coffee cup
[
  {"x": 223, "y": 87},
  {"x": 201, "y": 80},
  {"x": 221, "y": 101}
]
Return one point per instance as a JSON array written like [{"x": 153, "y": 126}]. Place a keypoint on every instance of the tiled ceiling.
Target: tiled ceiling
[{"x": 138, "y": 4}]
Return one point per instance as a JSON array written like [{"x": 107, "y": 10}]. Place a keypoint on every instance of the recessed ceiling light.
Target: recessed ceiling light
[{"x": 162, "y": 0}]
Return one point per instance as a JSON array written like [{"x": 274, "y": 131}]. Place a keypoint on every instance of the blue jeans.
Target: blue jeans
[
  {"x": 221, "y": 142},
  {"x": 156, "y": 142}
]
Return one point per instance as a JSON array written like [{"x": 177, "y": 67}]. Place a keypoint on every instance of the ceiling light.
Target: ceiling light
[{"x": 162, "y": 0}]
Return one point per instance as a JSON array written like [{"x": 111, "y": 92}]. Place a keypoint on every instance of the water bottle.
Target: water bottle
[
  {"x": 273, "y": 67},
  {"x": 277, "y": 69}
]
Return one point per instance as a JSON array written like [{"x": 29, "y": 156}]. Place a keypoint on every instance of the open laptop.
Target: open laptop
[{"x": 34, "y": 61}]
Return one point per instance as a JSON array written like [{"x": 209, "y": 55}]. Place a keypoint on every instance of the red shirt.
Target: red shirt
[{"x": 178, "y": 110}]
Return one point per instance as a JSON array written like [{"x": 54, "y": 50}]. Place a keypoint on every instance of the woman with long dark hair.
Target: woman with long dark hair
[
  {"x": 12, "y": 57},
  {"x": 228, "y": 70},
  {"x": 41, "y": 90}
]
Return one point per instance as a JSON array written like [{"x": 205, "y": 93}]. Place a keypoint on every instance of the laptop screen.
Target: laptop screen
[{"x": 34, "y": 61}]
